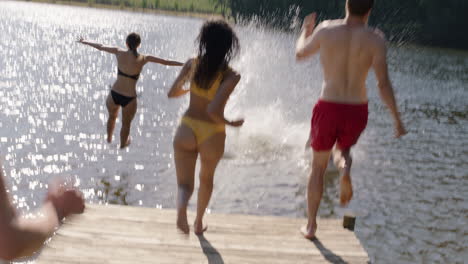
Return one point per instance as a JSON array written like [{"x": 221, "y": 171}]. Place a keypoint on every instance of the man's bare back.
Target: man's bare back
[{"x": 347, "y": 52}]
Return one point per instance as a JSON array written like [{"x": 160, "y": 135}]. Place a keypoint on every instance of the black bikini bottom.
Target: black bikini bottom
[{"x": 121, "y": 99}]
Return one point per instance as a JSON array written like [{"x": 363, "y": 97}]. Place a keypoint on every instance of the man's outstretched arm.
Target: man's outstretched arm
[
  {"x": 20, "y": 237},
  {"x": 385, "y": 86},
  {"x": 309, "y": 41}
]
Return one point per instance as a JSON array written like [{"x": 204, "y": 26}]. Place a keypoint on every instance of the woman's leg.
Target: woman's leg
[
  {"x": 185, "y": 157},
  {"x": 211, "y": 152},
  {"x": 128, "y": 113},
  {"x": 113, "y": 110}
]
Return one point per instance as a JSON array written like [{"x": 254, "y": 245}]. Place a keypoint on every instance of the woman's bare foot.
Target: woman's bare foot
[
  {"x": 182, "y": 223},
  {"x": 346, "y": 189},
  {"x": 129, "y": 141},
  {"x": 199, "y": 229},
  {"x": 308, "y": 231}
]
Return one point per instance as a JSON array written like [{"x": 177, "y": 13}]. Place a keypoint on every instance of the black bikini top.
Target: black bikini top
[{"x": 134, "y": 77}]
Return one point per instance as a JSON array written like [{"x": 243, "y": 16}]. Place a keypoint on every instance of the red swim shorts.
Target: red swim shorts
[{"x": 337, "y": 122}]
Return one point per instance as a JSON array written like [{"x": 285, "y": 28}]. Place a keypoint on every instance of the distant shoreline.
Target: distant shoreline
[
  {"x": 196, "y": 14},
  {"x": 202, "y": 15}
]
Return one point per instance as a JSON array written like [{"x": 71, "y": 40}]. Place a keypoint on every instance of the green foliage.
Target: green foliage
[
  {"x": 432, "y": 22},
  {"x": 222, "y": 5}
]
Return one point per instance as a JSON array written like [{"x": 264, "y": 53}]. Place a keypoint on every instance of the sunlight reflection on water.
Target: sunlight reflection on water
[{"x": 410, "y": 194}]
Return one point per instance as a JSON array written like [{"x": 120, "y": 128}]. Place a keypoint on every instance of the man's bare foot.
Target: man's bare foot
[
  {"x": 109, "y": 139},
  {"x": 309, "y": 231},
  {"x": 182, "y": 223},
  {"x": 199, "y": 229},
  {"x": 346, "y": 189}
]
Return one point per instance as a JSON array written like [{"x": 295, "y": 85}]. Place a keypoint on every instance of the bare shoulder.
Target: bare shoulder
[
  {"x": 330, "y": 23},
  {"x": 119, "y": 52},
  {"x": 376, "y": 35},
  {"x": 375, "y": 38},
  {"x": 230, "y": 73},
  {"x": 328, "y": 26},
  {"x": 189, "y": 65},
  {"x": 191, "y": 61}
]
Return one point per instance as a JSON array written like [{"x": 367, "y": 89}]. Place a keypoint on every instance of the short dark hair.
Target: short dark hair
[{"x": 359, "y": 7}]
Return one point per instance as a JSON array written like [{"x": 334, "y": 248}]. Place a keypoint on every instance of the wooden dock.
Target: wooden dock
[{"x": 122, "y": 234}]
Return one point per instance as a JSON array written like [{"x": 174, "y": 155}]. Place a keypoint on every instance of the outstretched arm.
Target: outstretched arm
[
  {"x": 162, "y": 61},
  {"x": 216, "y": 107},
  {"x": 309, "y": 41},
  {"x": 20, "y": 237},
  {"x": 177, "y": 87},
  {"x": 98, "y": 46},
  {"x": 379, "y": 64}
]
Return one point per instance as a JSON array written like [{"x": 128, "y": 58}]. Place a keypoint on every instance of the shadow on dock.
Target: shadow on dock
[
  {"x": 328, "y": 254},
  {"x": 210, "y": 252}
]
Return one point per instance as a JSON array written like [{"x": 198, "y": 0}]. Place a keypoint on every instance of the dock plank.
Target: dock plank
[{"x": 121, "y": 234}]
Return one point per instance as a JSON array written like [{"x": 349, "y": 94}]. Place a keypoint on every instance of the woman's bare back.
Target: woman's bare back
[{"x": 129, "y": 65}]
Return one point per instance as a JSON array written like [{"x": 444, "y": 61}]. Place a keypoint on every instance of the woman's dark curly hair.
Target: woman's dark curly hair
[{"x": 217, "y": 45}]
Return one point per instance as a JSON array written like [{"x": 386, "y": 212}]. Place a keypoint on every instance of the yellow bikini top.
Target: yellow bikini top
[{"x": 207, "y": 93}]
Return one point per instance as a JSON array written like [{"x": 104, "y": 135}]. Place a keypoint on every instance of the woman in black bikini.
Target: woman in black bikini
[{"x": 123, "y": 92}]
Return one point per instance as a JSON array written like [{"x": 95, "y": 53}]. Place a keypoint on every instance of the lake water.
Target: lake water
[{"x": 410, "y": 194}]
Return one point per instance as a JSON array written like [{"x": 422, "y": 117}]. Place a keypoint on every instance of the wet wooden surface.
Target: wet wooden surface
[{"x": 123, "y": 234}]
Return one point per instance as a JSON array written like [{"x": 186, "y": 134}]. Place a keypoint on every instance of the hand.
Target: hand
[
  {"x": 237, "y": 123},
  {"x": 309, "y": 23},
  {"x": 66, "y": 200},
  {"x": 379, "y": 33},
  {"x": 400, "y": 129}
]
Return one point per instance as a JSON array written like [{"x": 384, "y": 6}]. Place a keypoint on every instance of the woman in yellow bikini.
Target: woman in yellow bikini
[{"x": 202, "y": 130}]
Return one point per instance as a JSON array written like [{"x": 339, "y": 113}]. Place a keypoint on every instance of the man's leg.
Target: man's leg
[
  {"x": 343, "y": 162},
  {"x": 315, "y": 190}
]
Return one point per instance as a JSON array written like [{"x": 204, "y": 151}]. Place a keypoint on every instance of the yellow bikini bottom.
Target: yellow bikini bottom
[{"x": 202, "y": 129}]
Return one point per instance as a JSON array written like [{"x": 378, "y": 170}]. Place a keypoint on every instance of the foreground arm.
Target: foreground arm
[
  {"x": 162, "y": 61},
  {"x": 385, "y": 86},
  {"x": 98, "y": 46},
  {"x": 177, "y": 87},
  {"x": 216, "y": 107},
  {"x": 309, "y": 41},
  {"x": 20, "y": 237}
]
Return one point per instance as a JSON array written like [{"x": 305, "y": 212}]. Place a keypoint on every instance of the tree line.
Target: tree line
[{"x": 429, "y": 22}]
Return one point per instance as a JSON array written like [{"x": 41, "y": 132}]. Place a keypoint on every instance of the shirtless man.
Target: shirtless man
[
  {"x": 348, "y": 49},
  {"x": 20, "y": 237}
]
